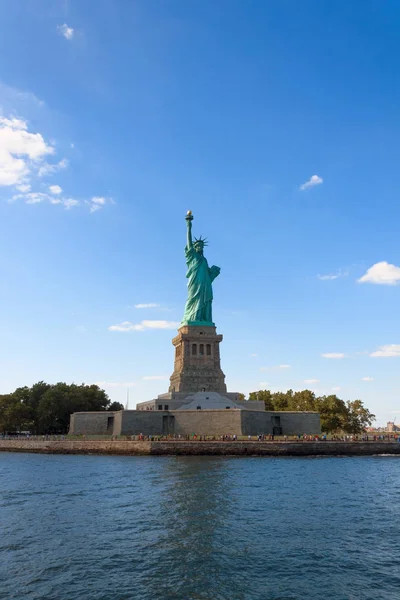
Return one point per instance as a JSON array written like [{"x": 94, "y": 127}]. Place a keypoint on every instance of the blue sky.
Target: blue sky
[{"x": 277, "y": 123}]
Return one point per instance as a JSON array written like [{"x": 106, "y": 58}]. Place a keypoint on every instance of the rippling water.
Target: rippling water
[{"x": 121, "y": 528}]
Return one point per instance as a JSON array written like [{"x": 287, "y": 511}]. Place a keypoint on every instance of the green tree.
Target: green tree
[
  {"x": 283, "y": 400},
  {"x": 336, "y": 414},
  {"x": 30, "y": 397},
  {"x": 14, "y": 414},
  {"x": 304, "y": 400},
  {"x": 333, "y": 413},
  {"x": 264, "y": 395},
  {"x": 358, "y": 417},
  {"x": 61, "y": 400},
  {"x": 115, "y": 406}
]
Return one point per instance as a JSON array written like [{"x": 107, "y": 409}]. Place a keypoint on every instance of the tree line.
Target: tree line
[
  {"x": 46, "y": 409},
  {"x": 336, "y": 414}
]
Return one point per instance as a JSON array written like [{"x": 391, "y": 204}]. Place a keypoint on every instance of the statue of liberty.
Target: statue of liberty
[{"x": 198, "y": 309}]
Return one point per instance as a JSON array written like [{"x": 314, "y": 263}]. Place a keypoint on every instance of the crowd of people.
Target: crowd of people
[
  {"x": 382, "y": 437},
  {"x": 388, "y": 437}
]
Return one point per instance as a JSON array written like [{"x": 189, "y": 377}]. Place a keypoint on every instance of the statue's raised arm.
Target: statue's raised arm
[
  {"x": 189, "y": 219},
  {"x": 198, "y": 309}
]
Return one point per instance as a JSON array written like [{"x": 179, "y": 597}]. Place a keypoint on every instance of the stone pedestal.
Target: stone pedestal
[{"x": 197, "y": 366}]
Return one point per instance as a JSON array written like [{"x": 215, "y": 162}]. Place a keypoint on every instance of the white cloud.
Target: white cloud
[
  {"x": 98, "y": 202},
  {"x": 66, "y": 31},
  {"x": 31, "y": 197},
  {"x": 70, "y": 203},
  {"x": 336, "y": 389},
  {"x": 387, "y": 351},
  {"x": 14, "y": 123},
  {"x": 24, "y": 187},
  {"x": 155, "y": 377},
  {"x": 22, "y": 158},
  {"x": 115, "y": 384},
  {"x": 333, "y": 355},
  {"x": 382, "y": 273},
  {"x": 253, "y": 355},
  {"x": 149, "y": 305},
  {"x": 38, "y": 197},
  {"x": 311, "y": 380},
  {"x": 314, "y": 180},
  {"x": 277, "y": 367},
  {"x": 48, "y": 169},
  {"x": 367, "y": 379},
  {"x": 332, "y": 276},
  {"x": 328, "y": 277},
  {"x": 143, "y": 325},
  {"x": 21, "y": 151},
  {"x": 35, "y": 197}
]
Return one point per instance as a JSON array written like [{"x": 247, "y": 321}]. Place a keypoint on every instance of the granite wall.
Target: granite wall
[
  {"x": 208, "y": 422},
  {"x": 201, "y": 422},
  {"x": 280, "y": 423},
  {"x": 175, "y": 448},
  {"x": 92, "y": 423}
]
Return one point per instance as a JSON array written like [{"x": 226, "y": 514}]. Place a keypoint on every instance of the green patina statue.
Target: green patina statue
[{"x": 198, "y": 309}]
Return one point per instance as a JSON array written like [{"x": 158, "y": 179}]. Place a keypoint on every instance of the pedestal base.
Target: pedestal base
[{"x": 197, "y": 366}]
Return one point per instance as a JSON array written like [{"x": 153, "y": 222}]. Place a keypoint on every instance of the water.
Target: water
[{"x": 122, "y": 528}]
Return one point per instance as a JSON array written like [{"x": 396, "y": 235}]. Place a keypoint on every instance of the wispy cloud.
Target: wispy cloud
[
  {"x": 332, "y": 276},
  {"x": 313, "y": 181},
  {"x": 98, "y": 202},
  {"x": 67, "y": 32},
  {"x": 143, "y": 325},
  {"x": 311, "y": 381},
  {"x": 334, "y": 355},
  {"x": 336, "y": 388},
  {"x": 24, "y": 187},
  {"x": 149, "y": 305},
  {"x": 367, "y": 379},
  {"x": 155, "y": 377},
  {"x": 50, "y": 169},
  {"x": 253, "y": 355},
  {"x": 70, "y": 203},
  {"x": 31, "y": 197},
  {"x": 382, "y": 273},
  {"x": 275, "y": 368},
  {"x": 115, "y": 384},
  {"x": 23, "y": 162},
  {"x": 387, "y": 351},
  {"x": 39, "y": 197},
  {"x": 19, "y": 99},
  {"x": 328, "y": 277}
]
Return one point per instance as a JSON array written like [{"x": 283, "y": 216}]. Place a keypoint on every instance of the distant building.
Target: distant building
[{"x": 391, "y": 427}]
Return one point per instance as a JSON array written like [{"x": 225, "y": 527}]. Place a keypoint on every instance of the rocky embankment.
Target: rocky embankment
[{"x": 197, "y": 448}]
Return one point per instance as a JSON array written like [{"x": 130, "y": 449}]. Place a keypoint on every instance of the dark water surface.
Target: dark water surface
[{"x": 119, "y": 528}]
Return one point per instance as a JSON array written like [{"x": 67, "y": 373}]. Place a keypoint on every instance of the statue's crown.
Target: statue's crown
[{"x": 200, "y": 240}]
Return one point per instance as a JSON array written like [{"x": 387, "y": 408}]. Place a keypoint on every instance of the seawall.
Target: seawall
[{"x": 197, "y": 448}]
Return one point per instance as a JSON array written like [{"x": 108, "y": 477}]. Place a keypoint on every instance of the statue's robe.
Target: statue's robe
[{"x": 200, "y": 277}]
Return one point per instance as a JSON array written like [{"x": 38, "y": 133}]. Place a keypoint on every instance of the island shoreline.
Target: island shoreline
[{"x": 201, "y": 448}]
